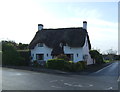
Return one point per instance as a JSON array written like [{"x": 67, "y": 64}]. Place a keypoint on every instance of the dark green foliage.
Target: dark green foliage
[
  {"x": 61, "y": 64},
  {"x": 22, "y": 46},
  {"x": 26, "y": 55},
  {"x": 96, "y": 56},
  {"x": 36, "y": 64},
  {"x": 10, "y": 56},
  {"x": 55, "y": 64}
]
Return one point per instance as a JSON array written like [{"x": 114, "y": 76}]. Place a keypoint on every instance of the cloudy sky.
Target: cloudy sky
[{"x": 19, "y": 19}]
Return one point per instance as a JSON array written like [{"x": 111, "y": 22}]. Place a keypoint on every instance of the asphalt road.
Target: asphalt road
[{"x": 104, "y": 79}]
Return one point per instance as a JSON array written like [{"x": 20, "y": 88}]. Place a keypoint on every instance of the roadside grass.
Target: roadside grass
[{"x": 107, "y": 61}]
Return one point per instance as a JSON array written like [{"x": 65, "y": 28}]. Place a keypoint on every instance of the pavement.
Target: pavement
[{"x": 106, "y": 78}]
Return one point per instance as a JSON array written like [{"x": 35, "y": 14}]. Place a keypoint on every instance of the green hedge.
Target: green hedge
[
  {"x": 55, "y": 64},
  {"x": 61, "y": 64},
  {"x": 10, "y": 55},
  {"x": 25, "y": 54}
]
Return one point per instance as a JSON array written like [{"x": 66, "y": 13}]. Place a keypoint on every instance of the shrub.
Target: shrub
[
  {"x": 96, "y": 56},
  {"x": 63, "y": 56},
  {"x": 10, "y": 56},
  {"x": 61, "y": 64},
  {"x": 55, "y": 64},
  {"x": 80, "y": 65},
  {"x": 35, "y": 63},
  {"x": 25, "y": 54}
]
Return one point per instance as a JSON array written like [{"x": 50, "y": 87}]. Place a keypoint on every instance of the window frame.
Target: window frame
[{"x": 40, "y": 44}]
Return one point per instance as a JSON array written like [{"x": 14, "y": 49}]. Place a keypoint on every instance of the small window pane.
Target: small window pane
[{"x": 40, "y": 44}]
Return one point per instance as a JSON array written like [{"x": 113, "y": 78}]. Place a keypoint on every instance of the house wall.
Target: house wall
[
  {"x": 74, "y": 51},
  {"x": 41, "y": 50},
  {"x": 81, "y": 51},
  {"x": 86, "y": 52}
]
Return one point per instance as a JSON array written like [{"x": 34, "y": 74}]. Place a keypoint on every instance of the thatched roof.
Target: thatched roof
[{"x": 73, "y": 37}]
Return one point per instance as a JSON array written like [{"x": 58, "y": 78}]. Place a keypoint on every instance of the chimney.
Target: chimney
[
  {"x": 85, "y": 25},
  {"x": 40, "y": 27}
]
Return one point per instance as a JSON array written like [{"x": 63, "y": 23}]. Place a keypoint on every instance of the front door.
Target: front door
[{"x": 70, "y": 56}]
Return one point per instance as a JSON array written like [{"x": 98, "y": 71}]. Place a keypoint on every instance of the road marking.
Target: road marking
[
  {"x": 54, "y": 81},
  {"x": 118, "y": 79},
  {"x": 103, "y": 68},
  {"x": 67, "y": 84},
  {"x": 18, "y": 74},
  {"x": 90, "y": 85},
  {"x": 78, "y": 85},
  {"x": 56, "y": 87},
  {"x": 110, "y": 88}
]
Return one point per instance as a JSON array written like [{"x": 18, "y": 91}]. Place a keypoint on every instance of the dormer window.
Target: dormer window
[{"x": 40, "y": 44}]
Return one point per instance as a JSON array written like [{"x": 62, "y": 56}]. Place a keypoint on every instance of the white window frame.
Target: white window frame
[{"x": 40, "y": 44}]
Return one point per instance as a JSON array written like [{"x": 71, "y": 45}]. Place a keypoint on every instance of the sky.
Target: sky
[{"x": 19, "y": 19}]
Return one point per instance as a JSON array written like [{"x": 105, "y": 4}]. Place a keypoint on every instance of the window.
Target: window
[
  {"x": 40, "y": 44},
  {"x": 70, "y": 56},
  {"x": 40, "y": 56},
  {"x": 85, "y": 57},
  {"x": 77, "y": 54},
  {"x": 47, "y": 55}
]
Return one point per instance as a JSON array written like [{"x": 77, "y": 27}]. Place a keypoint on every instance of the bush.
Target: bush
[
  {"x": 10, "y": 56},
  {"x": 80, "y": 65},
  {"x": 25, "y": 54},
  {"x": 96, "y": 56},
  {"x": 35, "y": 63},
  {"x": 55, "y": 64},
  {"x": 61, "y": 64}
]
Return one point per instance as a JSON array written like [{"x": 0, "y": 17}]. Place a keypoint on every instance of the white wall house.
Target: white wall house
[{"x": 74, "y": 42}]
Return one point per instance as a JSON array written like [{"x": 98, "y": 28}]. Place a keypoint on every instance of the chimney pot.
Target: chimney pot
[
  {"x": 40, "y": 27},
  {"x": 85, "y": 25}
]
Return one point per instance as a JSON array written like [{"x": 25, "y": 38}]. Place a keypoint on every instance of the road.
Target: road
[{"x": 104, "y": 79}]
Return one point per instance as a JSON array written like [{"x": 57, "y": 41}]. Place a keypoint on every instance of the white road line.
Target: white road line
[
  {"x": 118, "y": 79},
  {"x": 103, "y": 68},
  {"x": 110, "y": 88},
  {"x": 54, "y": 81},
  {"x": 56, "y": 87},
  {"x": 67, "y": 84}
]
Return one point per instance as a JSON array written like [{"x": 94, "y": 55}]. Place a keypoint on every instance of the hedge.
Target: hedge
[
  {"x": 61, "y": 64},
  {"x": 25, "y": 54}
]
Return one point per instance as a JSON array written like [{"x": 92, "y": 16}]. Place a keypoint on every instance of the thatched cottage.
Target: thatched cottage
[{"x": 74, "y": 42}]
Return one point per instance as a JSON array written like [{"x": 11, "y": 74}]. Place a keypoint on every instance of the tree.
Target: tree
[
  {"x": 22, "y": 46},
  {"x": 10, "y": 54},
  {"x": 111, "y": 54},
  {"x": 97, "y": 57}
]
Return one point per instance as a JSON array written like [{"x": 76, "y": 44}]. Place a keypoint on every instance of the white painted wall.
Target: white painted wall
[
  {"x": 74, "y": 51},
  {"x": 67, "y": 50},
  {"x": 86, "y": 52},
  {"x": 41, "y": 50}
]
